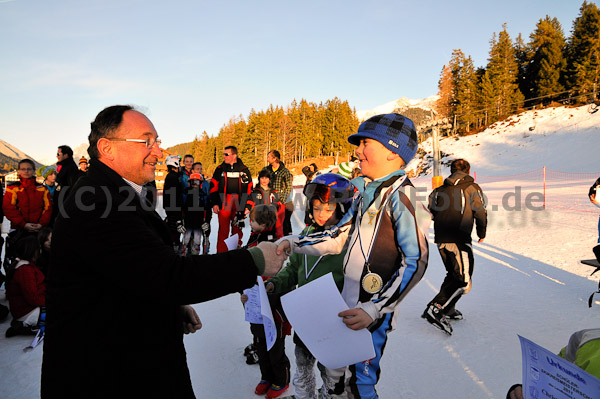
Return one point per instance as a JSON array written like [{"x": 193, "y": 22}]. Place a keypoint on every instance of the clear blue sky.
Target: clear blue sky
[{"x": 192, "y": 65}]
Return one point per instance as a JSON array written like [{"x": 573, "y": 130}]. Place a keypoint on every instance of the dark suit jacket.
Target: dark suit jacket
[{"x": 115, "y": 286}]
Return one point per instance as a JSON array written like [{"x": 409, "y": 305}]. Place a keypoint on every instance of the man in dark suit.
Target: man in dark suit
[{"x": 118, "y": 296}]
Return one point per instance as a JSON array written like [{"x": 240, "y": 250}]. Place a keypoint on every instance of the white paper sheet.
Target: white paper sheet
[
  {"x": 252, "y": 307},
  {"x": 546, "y": 375},
  {"x": 258, "y": 311},
  {"x": 313, "y": 312},
  {"x": 267, "y": 314},
  {"x": 232, "y": 242}
]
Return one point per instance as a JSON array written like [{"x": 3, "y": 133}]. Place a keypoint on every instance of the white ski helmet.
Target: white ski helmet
[{"x": 172, "y": 160}]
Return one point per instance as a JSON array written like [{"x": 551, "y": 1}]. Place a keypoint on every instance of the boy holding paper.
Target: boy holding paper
[
  {"x": 383, "y": 235},
  {"x": 328, "y": 198}
]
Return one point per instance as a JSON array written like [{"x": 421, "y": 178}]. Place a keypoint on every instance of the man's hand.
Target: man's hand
[
  {"x": 205, "y": 227},
  {"x": 215, "y": 208},
  {"x": 191, "y": 321},
  {"x": 356, "y": 319},
  {"x": 180, "y": 227},
  {"x": 284, "y": 247},
  {"x": 273, "y": 259}
]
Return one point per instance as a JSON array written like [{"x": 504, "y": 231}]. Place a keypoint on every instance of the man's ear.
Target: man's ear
[{"x": 105, "y": 149}]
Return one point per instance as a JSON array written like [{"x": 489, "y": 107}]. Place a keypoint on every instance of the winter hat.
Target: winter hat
[
  {"x": 82, "y": 160},
  {"x": 345, "y": 169},
  {"x": 46, "y": 171},
  {"x": 397, "y": 133}
]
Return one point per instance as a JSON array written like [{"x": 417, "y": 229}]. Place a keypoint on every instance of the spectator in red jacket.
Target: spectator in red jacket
[
  {"x": 230, "y": 187},
  {"x": 27, "y": 204},
  {"x": 25, "y": 289}
]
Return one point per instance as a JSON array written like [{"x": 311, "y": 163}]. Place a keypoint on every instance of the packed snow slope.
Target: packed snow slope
[
  {"x": 559, "y": 138},
  {"x": 527, "y": 280}
]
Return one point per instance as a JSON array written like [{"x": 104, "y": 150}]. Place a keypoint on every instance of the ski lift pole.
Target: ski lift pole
[{"x": 437, "y": 179}]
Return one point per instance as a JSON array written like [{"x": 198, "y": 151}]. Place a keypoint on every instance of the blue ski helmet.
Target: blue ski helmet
[{"x": 330, "y": 188}]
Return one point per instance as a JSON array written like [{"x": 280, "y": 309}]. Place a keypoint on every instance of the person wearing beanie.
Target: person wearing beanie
[
  {"x": 384, "y": 234},
  {"x": 83, "y": 166},
  {"x": 345, "y": 169},
  {"x": 49, "y": 175}
]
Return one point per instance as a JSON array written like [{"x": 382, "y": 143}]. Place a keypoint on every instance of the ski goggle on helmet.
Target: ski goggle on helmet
[{"x": 330, "y": 188}]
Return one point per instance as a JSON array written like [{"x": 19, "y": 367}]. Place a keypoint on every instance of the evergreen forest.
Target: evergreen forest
[{"x": 545, "y": 69}]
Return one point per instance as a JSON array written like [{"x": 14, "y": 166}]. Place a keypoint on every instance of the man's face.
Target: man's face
[
  {"x": 25, "y": 171},
  {"x": 197, "y": 169},
  {"x": 270, "y": 158},
  {"x": 188, "y": 162},
  {"x": 60, "y": 156},
  {"x": 229, "y": 157},
  {"x": 83, "y": 166},
  {"x": 373, "y": 158},
  {"x": 134, "y": 161}
]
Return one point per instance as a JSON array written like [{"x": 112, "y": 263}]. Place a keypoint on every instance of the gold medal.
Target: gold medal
[{"x": 372, "y": 283}]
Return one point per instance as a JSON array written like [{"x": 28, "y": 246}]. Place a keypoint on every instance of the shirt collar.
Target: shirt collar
[{"x": 138, "y": 189}]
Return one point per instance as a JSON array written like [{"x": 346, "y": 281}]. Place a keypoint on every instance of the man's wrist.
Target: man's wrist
[{"x": 258, "y": 258}]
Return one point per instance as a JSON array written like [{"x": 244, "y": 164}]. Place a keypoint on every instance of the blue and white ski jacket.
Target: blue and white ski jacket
[{"x": 387, "y": 225}]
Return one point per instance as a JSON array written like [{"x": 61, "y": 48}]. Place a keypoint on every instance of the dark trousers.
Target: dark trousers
[
  {"x": 274, "y": 364},
  {"x": 458, "y": 260},
  {"x": 287, "y": 223}
]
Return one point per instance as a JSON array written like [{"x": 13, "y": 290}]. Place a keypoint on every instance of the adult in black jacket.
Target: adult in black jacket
[
  {"x": 173, "y": 199},
  {"x": 230, "y": 188},
  {"x": 117, "y": 296},
  {"x": 67, "y": 175},
  {"x": 455, "y": 206}
]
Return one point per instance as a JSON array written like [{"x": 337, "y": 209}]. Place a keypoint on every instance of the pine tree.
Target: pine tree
[
  {"x": 466, "y": 93},
  {"x": 548, "y": 63},
  {"x": 503, "y": 71},
  {"x": 445, "y": 93},
  {"x": 583, "y": 50}
]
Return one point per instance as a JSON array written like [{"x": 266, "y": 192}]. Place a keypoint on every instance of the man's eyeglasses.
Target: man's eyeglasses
[
  {"x": 226, "y": 154},
  {"x": 149, "y": 142}
]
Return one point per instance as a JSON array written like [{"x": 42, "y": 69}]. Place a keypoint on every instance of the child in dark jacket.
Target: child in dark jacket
[
  {"x": 25, "y": 289},
  {"x": 274, "y": 364},
  {"x": 196, "y": 217}
]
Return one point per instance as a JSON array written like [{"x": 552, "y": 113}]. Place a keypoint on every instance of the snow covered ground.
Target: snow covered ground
[{"x": 527, "y": 281}]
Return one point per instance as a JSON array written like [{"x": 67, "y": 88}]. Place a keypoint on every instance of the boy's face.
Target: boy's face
[
  {"x": 188, "y": 162},
  {"x": 375, "y": 160},
  {"x": 322, "y": 213},
  {"x": 197, "y": 169},
  {"x": 264, "y": 181},
  {"x": 257, "y": 228}
]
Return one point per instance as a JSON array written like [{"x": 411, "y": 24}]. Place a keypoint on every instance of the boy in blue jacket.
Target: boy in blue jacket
[{"x": 384, "y": 235}]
